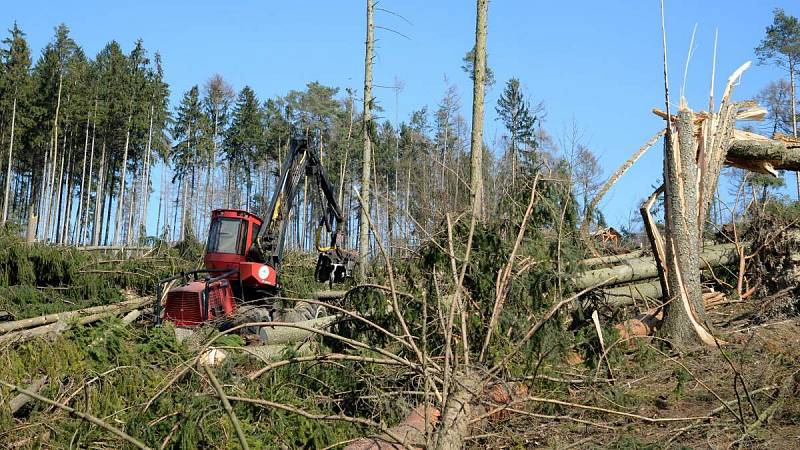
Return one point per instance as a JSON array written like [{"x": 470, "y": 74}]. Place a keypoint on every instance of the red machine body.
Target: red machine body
[
  {"x": 199, "y": 301},
  {"x": 230, "y": 238},
  {"x": 242, "y": 260}
]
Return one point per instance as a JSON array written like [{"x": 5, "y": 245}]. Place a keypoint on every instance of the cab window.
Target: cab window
[{"x": 223, "y": 237}]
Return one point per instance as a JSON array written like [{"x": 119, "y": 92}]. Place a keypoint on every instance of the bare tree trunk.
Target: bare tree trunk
[
  {"x": 183, "y": 210},
  {"x": 79, "y": 215},
  {"x": 112, "y": 180},
  {"x": 121, "y": 201},
  {"x": 56, "y": 224},
  {"x": 8, "y": 169},
  {"x": 147, "y": 170},
  {"x": 50, "y": 178},
  {"x": 128, "y": 237},
  {"x": 363, "y": 226},
  {"x": 99, "y": 195},
  {"x": 84, "y": 228},
  {"x": 794, "y": 114},
  {"x": 476, "y": 146},
  {"x": 68, "y": 199}
]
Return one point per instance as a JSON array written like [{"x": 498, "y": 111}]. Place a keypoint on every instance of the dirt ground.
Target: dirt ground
[{"x": 683, "y": 395}]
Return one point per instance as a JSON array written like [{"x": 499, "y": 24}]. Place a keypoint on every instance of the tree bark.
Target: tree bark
[
  {"x": 98, "y": 196},
  {"x": 760, "y": 154},
  {"x": 476, "y": 146},
  {"x": 363, "y": 225},
  {"x": 8, "y": 169},
  {"x": 684, "y": 313},
  {"x": 794, "y": 115},
  {"x": 121, "y": 201},
  {"x": 644, "y": 268}
]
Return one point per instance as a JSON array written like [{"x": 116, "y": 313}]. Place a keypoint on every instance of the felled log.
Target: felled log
[
  {"x": 64, "y": 324},
  {"x": 629, "y": 294},
  {"x": 63, "y": 316},
  {"x": 21, "y": 400},
  {"x": 611, "y": 259},
  {"x": 646, "y": 291},
  {"x": 761, "y": 154},
  {"x": 274, "y": 335},
  {"x": 645, "y": 268},
  {"x": 328, "y": 295},
  {"x": 276, "y": 351}
]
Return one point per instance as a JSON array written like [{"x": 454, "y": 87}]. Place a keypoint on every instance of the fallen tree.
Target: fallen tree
[
  {"x": 64, "y": 321},
  {"x": 761, "y": 154},
  {"x": 131, "y": 303},
  {"x": 645, "y": 268}
]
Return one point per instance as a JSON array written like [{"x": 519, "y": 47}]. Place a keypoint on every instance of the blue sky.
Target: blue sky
[{"x": 595, "y": 64}]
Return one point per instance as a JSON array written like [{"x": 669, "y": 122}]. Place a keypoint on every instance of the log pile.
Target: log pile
[
  {"x": 635, "y": 278},
  {"x": 52, "y": 324}
]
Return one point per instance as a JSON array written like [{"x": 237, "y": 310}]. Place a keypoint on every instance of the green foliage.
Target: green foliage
[
  {"x": 782, "y": 41},
  {"x": 468, "y": 66},
  {"x": 38, "y": 279},
  {"x": 530, "y": 292},
  {"x": 681, "y": 377}
]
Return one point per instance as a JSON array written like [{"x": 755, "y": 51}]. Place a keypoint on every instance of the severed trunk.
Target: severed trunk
[
  {"x": 695, "y": 149},
  {"x": 684, "y": 313}
]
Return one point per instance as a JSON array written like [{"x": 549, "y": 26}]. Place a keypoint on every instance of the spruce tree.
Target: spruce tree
[
  {"x": 15, "y": 92},
  {"x": 244, "y": 142},
  {"x": 514, "y": 111}
]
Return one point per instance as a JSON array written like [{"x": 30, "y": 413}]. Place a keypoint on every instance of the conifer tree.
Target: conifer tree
[
  {"x": 781, "y": 46},
  {"x": 244, "y": 142},
  {"x": 514, "y": 111},
  {"x": 15, "y": 88}
]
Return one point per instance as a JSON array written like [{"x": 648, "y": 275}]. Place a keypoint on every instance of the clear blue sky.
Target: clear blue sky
[{"x": 595, "y": 63}]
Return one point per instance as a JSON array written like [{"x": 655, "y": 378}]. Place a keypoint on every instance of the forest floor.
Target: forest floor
[
  {"x": 135, "y": 376},
  {"x": 764, "y": 359}
]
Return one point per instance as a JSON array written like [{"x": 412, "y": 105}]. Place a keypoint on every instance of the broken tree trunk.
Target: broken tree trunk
[
  {"x": 761, "y": 154},
  {"x": 21, "y": 400},
  {"x": 684, "y": 311},
  {"x": 645, "y": 268},
  {"x": 695, "y": 149},
  {"x": 457, "y": 414}
]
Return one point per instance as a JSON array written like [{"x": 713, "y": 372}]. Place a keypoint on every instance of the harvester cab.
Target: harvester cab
[{"x": 244, "y": 253}]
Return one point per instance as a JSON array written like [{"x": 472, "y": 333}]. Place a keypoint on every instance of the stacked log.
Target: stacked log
[
  {"x": 51, "y": 324},
  {"x": 636, "y": 278}
]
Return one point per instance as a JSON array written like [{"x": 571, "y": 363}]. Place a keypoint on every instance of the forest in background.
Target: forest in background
[{"x": 91, "y": 134}]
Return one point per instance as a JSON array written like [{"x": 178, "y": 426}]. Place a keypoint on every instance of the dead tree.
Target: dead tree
[
  {"x": 476, "y": 145},
  {"x": 363, "y": 226}
]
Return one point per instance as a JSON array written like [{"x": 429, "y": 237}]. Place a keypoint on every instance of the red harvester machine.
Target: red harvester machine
[{"x": 244, "y": 253}]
